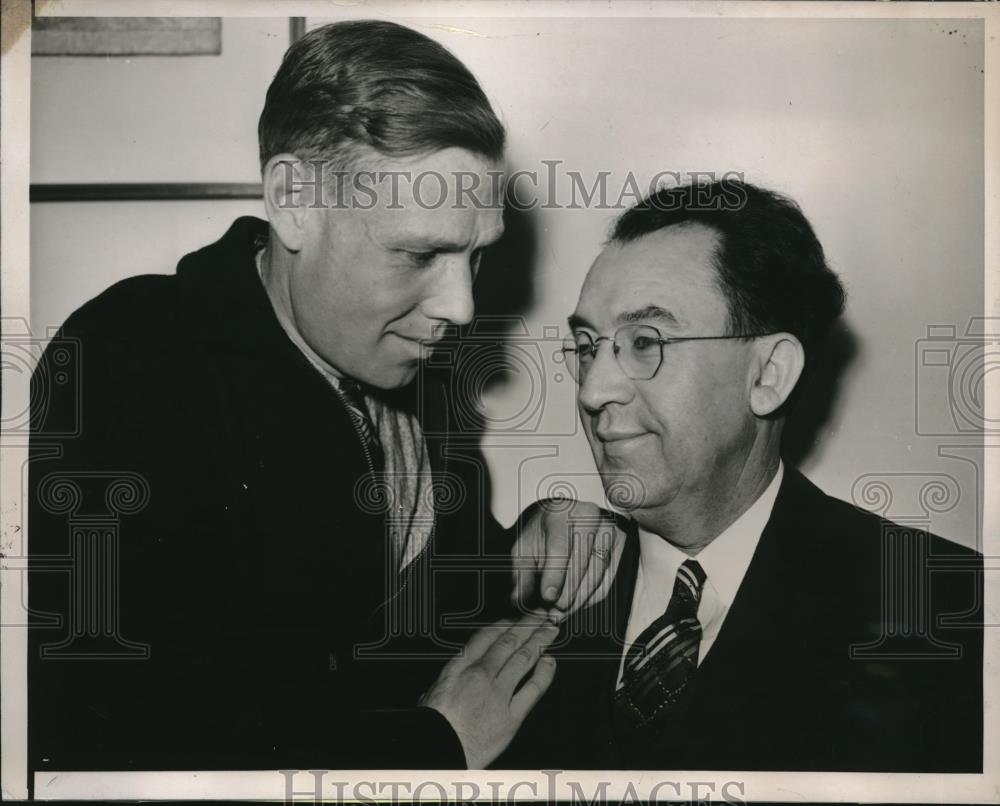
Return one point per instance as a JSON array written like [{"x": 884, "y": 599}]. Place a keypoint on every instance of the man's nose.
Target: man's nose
[
  {"x": 604, "y": 382},
  {"x": 450, "y": 299}
]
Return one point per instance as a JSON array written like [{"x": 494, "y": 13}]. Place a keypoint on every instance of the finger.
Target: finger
[
  {"x": 527, "y": 655},
  {"x": 589, "y": 580},
  {"x": 509, "y": 641},
  {"x": 601, "y": 556},
  {"x": 534, "y": 687},
  {"x": 557, "y": 543},
  {"x": 528, "y": 553},
  {"x": 607, "y": 575},
  {"x": 524, "y": 554},
  {"x": 583, "y": 543},
  {"x": 480, "y": 642},
  {"x": 521, "y": 591}
]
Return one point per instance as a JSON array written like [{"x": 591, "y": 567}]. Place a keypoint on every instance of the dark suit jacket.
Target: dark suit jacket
[
  {"x": 208, "y": 558},
  {"x": 853, "y": 644}
]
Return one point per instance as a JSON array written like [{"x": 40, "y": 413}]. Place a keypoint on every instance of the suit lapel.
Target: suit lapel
[
  {"x": 605, "y": 639},
  {"x": 580, "y": 705},
  {"x": 763, "y": 606},
  {"x": 745, "y": 667},
  {"x": 725, "y": 720}
]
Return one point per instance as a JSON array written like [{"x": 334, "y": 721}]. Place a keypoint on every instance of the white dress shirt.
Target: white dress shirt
[{"x": 725, "y": 561}]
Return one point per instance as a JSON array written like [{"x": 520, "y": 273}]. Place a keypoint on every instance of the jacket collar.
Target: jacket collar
[{"x": 224, "y": 301}]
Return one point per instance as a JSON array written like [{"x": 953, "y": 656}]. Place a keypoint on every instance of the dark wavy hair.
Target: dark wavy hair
[
  {"x": 377, "y": 84},
  {"x": 770, "y": 265}
]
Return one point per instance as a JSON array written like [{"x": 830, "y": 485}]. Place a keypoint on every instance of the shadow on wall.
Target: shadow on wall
[
  {"x": 482, "y": 356},
  {"x": 804, "y": 430},
  {"x": 505, "y": 287},
  {"x": 504, "y": 294}
]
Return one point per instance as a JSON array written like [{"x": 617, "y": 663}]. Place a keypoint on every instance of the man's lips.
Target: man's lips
[
  {"x": 423, "y": 346},
  {"x": 430, "y": 342},
  {"x": 618, "y": 436}
]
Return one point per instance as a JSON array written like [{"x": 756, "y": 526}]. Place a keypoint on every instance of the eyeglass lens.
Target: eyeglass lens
[{"x": 638, "y": 349}]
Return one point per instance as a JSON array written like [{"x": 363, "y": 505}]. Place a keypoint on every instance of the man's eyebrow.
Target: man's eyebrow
[
  {"x": 647, "y": 312},
  {"x": 432, "y": 243},
  {"x": 426, "y": 243},
  {"x": 628, "y": 317}
]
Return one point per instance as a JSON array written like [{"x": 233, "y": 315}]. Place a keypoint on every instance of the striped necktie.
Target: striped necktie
[
  {"x": 664, "y": 656},
  {"x": 354, "y": 398}
]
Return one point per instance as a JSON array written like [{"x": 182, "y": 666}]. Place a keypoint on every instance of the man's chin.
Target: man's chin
[
  {"x": 393, "y": 377},
  {"x": 624, "y": 490}
]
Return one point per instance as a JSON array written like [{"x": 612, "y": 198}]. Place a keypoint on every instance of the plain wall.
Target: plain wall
[{"x": 874, "y": 127}]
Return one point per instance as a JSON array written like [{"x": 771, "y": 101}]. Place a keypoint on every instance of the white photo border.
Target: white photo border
[{"x": 533, "y": 785}]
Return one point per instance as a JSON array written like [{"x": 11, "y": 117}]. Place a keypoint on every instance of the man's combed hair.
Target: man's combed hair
[
  {"x": 770, "y": 265},
  {"x": 376, "y": 84}
]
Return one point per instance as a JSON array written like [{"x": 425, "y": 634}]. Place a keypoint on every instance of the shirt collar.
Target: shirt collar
[{"x": 725, "y": 560}]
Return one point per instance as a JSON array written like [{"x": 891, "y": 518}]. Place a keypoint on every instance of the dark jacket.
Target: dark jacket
[
  {"x": 209, "y": 581},
  {"x": 853, "y": 644}
]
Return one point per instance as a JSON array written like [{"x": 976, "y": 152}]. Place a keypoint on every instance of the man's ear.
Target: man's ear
[
  {"x": 780, "y": 360},
  {"x": 286, "y": 201}
]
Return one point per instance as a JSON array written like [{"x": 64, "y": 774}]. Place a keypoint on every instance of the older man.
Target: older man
[
  {"x": 755, "y": 623},
  {"x": 295, "y": 546}
]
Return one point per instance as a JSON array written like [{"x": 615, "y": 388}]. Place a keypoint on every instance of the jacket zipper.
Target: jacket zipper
[
  {"x": 320, "y": 377},
  {"x": 357, "y": 431}
]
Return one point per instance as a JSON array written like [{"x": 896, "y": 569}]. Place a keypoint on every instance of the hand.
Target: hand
[
  {"x": 565, "y": 557},
  {"x": 476, "y": 690}
]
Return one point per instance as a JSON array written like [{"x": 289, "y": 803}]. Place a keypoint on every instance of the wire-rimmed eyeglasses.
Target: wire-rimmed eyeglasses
[{"x": 637, "y": 348}]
